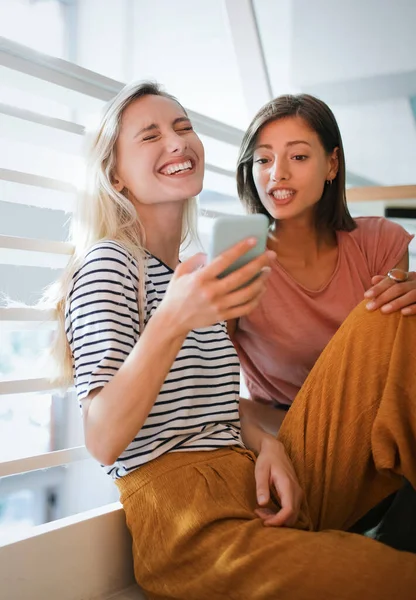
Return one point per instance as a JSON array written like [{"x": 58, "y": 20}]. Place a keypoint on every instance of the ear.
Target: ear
[
  {"x": 118, "y": 183},
  {"x": 333, "y": 164}
]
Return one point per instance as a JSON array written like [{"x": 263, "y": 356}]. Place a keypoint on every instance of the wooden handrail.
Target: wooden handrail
[{"x": 385, "y": 192}]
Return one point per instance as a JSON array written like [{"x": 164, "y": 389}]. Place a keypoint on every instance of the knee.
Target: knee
[{"x": 363, "y": 318}]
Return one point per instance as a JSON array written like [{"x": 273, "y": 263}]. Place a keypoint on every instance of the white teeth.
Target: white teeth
[
  {"x": 177, "y": 167},
  {"x": 282, "y": 194}
]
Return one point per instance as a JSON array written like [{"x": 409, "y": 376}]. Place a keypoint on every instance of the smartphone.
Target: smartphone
[{"x": 231, "y": 229}]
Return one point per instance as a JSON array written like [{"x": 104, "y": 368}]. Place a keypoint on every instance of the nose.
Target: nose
[
  {"x": 176, "y": 143},
  {"x": 279, "y": 170}
]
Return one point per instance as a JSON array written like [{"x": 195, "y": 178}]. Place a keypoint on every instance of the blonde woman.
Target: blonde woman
[{"x": 158, "y": 380}]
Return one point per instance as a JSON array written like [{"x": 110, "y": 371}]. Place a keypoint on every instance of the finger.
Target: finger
[
  {"x": 381, "y": 284},
  {"x": 283, "y": 518},
  {"x": 247, "y": 293},
  {"x": 241, "y": 311},
  {"x": 192, "y": 264},
  {"x": 288, "y": 502},
  {"x": 409, "y": 310},
  {"x": 262, "y": 477},
  {"x": 246, "y": 273},
  {"x": 395, "y": 291},
  {"x": 376, "y": 279},
  {"x": 406, "y": 301},
  {"x": 384, "y": 284},
  {"x": 227, "y": 258},
  {"x": 264, "y": 513}
]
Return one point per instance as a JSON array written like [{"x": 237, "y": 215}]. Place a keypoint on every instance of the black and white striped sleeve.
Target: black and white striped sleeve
[{"x": 102, "y": 322}]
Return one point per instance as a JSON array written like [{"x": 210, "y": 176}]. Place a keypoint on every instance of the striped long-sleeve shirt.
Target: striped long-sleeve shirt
[{"x": 197, "y": 407}]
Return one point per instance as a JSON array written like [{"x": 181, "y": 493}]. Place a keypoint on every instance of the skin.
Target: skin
[{"x": 389, "y": 296}]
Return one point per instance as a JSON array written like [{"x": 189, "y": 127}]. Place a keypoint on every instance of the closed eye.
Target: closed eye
[
  {"x": 155, "y": 136},
  {"x": 189, "y": 128}
]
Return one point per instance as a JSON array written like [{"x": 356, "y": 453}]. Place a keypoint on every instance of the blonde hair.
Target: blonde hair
[{"x": 104, "y": 214}]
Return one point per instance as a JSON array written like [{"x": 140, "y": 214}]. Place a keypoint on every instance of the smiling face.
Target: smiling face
[
  {"x": 159, "y": 157},
  {"x": 290, "y": 167}
]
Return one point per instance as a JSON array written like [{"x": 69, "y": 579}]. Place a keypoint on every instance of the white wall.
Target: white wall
[
  {"x": 184, "y": 45},
  {"x": 360, "y": 57},
  {"x": 101, "y": 43},
  {"x": 352, "y": 39},
  {"x": 379, "y": 140},
  {"x": 275, "y": 24}
]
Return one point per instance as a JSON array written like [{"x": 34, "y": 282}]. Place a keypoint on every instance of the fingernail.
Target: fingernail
[
  {"x": 369, "y": 294},
  {"x": 266, "y": 269},
  {"x": 386, "y": 308},
  {"x": 370, "y": 305},
  {"x": 261, "y": 499},
  {"x": 406, "y": 311},
  {"x": 252, "y": 241},
  {"x": 271, "y": 253}
]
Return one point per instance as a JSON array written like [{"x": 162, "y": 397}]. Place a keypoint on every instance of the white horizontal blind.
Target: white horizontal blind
[
  {"x": 43, "y": 461},
  {"x": 40, "y": 166}
]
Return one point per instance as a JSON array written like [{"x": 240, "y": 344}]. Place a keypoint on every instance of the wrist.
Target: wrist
[
  {"x": 167, "y": 325},
  {"x": 269, "y": 442}
]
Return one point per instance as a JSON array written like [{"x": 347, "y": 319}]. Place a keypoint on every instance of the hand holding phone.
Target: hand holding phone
[
  {"x": 231, "y": 229},
  {"x": 199, "y": 294}
]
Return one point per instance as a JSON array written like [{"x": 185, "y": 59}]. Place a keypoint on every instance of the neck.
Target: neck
[
  {"x": 163, "y": 226},
  {"x": 299, "y": 239}
]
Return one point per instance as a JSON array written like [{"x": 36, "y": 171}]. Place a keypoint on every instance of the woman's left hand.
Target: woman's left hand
[
  {"x": 389, "y": 296},
  {"x": 274, "y": 468}
]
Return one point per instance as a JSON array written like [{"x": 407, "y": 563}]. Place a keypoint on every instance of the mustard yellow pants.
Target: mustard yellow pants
[{"x": 351, "y": 434}]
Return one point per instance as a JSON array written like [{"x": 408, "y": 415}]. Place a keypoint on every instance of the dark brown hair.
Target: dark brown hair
[{"x": 331, "y": 211}]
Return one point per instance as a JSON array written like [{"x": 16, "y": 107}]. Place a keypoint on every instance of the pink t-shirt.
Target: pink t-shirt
[{"x": 280, "y": 341}]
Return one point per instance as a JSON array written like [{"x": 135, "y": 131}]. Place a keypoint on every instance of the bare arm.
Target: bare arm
[
  {"x": 195, "y": 298},
  {"x": 257, "y": 420},
  {"x": 232, "y": 327},
  {"x": 404, "y": 262},
  {"x": 113, "y": 416}
]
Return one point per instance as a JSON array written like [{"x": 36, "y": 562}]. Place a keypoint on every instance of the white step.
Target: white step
[{"x": 131, "y": 593}]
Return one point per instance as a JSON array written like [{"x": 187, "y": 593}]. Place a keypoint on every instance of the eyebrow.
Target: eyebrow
[
  {"x": 155, "y": 126},
  {"x": 293, "y": 143}
]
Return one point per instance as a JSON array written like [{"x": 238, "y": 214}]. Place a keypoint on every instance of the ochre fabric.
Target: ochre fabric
[{"x": 351, "y": 434}]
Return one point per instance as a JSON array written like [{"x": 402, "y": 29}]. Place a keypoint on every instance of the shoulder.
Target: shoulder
[
  {"x": 375, "y": 226},
  {"x": 108, "y": 257},
  {"x": 382, "y": 242},
  {"x": 111, "y": 251},
  {"x": 374, "y": 231},
  {"x": 106, "y": 268}
]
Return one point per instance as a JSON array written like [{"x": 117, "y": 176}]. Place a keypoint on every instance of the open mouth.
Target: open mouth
[
  {"x": 180, "y": 168},
  {"x": 282, "y": 196}
]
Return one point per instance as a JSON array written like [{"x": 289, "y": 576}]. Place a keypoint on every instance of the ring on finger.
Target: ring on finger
[{"x": 398, "y": 275}]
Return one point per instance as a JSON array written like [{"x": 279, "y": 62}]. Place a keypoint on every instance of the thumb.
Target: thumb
[{"x": 192, "y": 264}]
